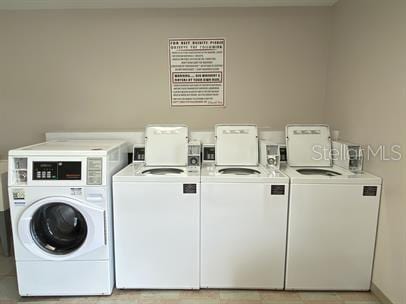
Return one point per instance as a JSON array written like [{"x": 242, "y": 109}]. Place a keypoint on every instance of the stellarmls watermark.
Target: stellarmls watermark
[{"x": 381, "y": 152}]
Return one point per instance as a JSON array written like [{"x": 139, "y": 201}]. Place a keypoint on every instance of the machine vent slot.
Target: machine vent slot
[
  {"x": 278, "y": 190},
  {"x": 189, "y": 188},
  {"x": 370, "y": 191}
]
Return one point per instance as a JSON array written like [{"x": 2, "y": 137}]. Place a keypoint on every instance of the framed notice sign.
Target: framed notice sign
[{"x": 196, "y": 68}]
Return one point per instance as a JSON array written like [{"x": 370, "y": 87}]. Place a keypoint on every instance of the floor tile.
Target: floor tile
[
  {"x": 159, "y": 294},
  {"x": 280, "y": 296},
  {"x": 38, "y": 300},
  {"x": 357, "y": 296},
  {"x": 9, "y": 295},
  {"x": 115, "y": 301},
  {"x": 84, "y": 300},
  {"x": 199, "y": 301},
  {"x": 252, "y": 295},
  {"x": 199, "y": 294},
  {"x": 319, "y": 296},
  {"x": 239, "y": 301},
  {"x": 321, "y": 301},
  {"x": 362, "y": 302},
  {"x": 282, "y": 302},
  {"x": 7, "y": 266},
  {"x": 8, "y": 288},
  {"x": 125, "y": 294}
]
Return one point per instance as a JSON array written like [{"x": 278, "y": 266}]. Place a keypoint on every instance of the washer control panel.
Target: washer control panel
[
  {"x": 194, "y": 152},
  {"x": 209, "y": 153},
  {"x": 56, "y": 170},
  {"x": 138, "y": 153}
]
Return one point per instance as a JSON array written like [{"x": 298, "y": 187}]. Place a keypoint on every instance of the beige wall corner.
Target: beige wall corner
[
  {"x": 366, "y": 101},
  {"x": 380, "y": 295}
]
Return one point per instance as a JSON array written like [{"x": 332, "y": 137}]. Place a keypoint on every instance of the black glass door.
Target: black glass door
[{"x": 58, "y": 228}]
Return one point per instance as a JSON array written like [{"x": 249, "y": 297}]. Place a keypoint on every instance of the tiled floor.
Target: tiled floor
[{"x": 9, "y": 294}]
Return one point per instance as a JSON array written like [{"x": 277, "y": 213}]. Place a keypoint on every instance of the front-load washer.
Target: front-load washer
[
  {"x": 333, "y": 215},
  {"x": 61, "y": 213},
  {"x": 157, "y": 215},
  {"x": 243, "y": 215}
]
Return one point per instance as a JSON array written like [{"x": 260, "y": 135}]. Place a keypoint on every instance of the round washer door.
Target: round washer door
[
  {"x": 58, "y": 228},
  {"x": 61, "y": 228}
]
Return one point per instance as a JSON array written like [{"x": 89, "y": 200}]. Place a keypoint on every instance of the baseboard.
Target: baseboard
[{"x": 380, "y": 295}]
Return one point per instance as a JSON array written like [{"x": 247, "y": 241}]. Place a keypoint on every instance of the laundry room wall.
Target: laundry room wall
[
  {"x": 106, "y": 70},
  {"x": 366, "y": 100}
]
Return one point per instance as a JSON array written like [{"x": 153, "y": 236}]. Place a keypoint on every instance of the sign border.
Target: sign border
[{"x": 224, "y": 73}]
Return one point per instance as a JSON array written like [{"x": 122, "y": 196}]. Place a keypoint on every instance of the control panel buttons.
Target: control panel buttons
[{"x": 44, "y": 175}]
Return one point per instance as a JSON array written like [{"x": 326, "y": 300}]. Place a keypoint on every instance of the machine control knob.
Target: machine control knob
[{"x": 194, "y": 161}]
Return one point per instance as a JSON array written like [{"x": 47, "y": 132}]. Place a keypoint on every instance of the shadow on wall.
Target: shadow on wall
[{"x": 5, "y": 222}]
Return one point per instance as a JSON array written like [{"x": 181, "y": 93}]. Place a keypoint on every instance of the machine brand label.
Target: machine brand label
[
  {"x": 278, "y": 190},
  {"x": 76, "y": 191},
  {"x": 306, "y": 132},
  {"x": 240, "y": 131},
  {"x": 19, "y": 195},
  {"x": 189, "y": 188},
  {"x": 370, "y": 191}
]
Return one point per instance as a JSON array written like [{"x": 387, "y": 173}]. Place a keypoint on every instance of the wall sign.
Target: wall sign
[{"x": 196, "y": 69}]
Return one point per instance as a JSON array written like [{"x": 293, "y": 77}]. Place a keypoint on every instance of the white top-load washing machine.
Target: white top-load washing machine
[
  {"x": 156, "y": 215},
  {"x": 243, "y": 215},
  {"x": 61, "y": 204},
  {"x": 333, "y": 216}
]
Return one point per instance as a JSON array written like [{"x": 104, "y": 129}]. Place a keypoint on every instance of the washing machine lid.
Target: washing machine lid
[
  {"x": 69, "y": 147},
  {"x": 236, "y": 145},
  {"x": 166, "y": 145},
  {"x": 308, "y": 145}
]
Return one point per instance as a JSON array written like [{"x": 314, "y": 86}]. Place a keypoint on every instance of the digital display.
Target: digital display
[
  {"x": 69, "y": 170},
  {"x": 209, "y": 153},
  {"x": 282, "y": 152},
  {"x": 139, "y": 154}
]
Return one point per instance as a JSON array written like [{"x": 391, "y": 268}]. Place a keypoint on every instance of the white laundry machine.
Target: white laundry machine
[
  {"x": 333, "y": 215},
  {"x": 61, "y": 213},
  {"x": 157, "y": 215},
  {"x": 243, "y": 215}
]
